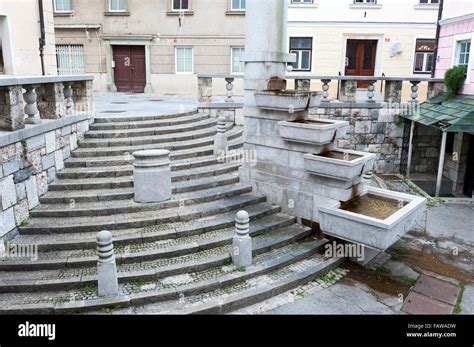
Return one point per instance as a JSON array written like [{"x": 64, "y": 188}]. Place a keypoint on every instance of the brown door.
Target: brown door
[
  {"x": 360, "y": 59},
  {"x": 130, "y": 69}
]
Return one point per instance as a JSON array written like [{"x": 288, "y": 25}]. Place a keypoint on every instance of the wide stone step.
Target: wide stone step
[
  {"x": 124, "y": 182},
  {"x": 151, "y": 131},
  {"x": 166, "y": 231},
  {"x": 147, "y": 140},
  {"x": 107, "y": 194},
  {"x": 171, "y": 146},
  {"x": 140, "y": 252},
  {"x": 122, "y": 160},
  {"x": 138, "y": 219},
  {"x": 149, "y": 123},
  {"x": 104, "y": 208},
  {"x": 138, "y": 118},
  {"x": 273, "y": 272},
  {"x": 127, "y": 170}
]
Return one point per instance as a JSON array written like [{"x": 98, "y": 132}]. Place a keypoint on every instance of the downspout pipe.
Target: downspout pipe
[
  {"x": 438, "y": 30},
  {"x": 42, "y": 39}
]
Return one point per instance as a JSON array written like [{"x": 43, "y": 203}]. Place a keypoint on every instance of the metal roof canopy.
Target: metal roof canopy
[{"x": 451, "y": 115}]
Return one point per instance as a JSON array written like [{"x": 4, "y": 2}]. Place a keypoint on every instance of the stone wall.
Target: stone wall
[
  {"x": 29, "y": 160},
  {"x": 232, "y": 112},
  {"x": 426, "y": 145},
  {"x": 373, "y": 128}
]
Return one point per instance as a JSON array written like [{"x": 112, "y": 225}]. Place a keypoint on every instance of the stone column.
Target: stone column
[
  {"x": 220, "y": 140},
  {"x": 152, "y": 176},
  {"x": 51, "y": 104},
  {"x": 348, "y": 90},
  {"x": 11, "y": 113},
  {"x": 31, "y": 108},
  {"x": 435, "y": 89},
  {"x": 82, "y": 96},
  {"x": 302, "y": 84},
  {"x": 106, "y": 266},
  {"x": 242, "y": 242},
  {"x": 204, "y": 89},
  {"x": 393, "y": 91}
]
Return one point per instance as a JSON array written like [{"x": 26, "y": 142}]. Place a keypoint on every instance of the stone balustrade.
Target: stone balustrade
[
  {"x": 227, "y": 107},
  {"x": 29, "y": 99}
]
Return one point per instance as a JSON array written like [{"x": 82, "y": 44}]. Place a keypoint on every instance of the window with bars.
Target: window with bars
[
  {"x": 238, "y": 5},
  {"x": 301, "y": 1},
  {"x": 184, "y": 60},
  {"x": 238, "y": 66},
  {"x": 424, "y": 55},
  {"x": 62, "y": 5},
  {"x": 180, "y": 5},
  {"x": 70, "y": 59},
  {"x": 116, "y": 6},
  {"x": 303, "y": 48},
  {"x": 463, "y": 51}
]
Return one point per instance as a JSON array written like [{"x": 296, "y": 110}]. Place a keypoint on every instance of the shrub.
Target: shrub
[{"x": 454, "y": 78}]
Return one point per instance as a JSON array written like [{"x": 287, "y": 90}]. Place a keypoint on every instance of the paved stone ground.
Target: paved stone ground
[
  {"x": 345, "y": 297},
  {"x": 145, "y": 104}
]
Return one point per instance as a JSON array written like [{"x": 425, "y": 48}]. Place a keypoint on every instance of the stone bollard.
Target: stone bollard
[
  {"x": 220, "y": 140},
  {"x": 242, "y": 242},
  {"x": 152, "y": 176},
  {"x": 106, "y": 267}
]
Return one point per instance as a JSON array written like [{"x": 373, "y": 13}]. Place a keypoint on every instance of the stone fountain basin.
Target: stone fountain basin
[
  {"x": 313, "y": 131},
  {"x": 285, "y": 100},
  {"x": 375, "y": 233},
  {"x": 340, "y": 164}
]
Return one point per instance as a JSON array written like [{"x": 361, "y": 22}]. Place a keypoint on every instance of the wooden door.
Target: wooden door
[
  {"x": 360, "y": 59},
  {"x": 130, "y": 68}
]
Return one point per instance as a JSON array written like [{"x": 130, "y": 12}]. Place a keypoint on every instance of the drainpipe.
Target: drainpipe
[
  {"x": 438, "y": 29},
  {"x": 42, "y": 40}
]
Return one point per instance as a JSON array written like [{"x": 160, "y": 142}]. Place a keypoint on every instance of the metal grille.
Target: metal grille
[
  {"x": 70, "y": 59},
  {"x": 405, "y": 147}
]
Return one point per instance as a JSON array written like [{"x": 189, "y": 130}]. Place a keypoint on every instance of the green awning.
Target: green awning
[{"x": 453, "y": 115}]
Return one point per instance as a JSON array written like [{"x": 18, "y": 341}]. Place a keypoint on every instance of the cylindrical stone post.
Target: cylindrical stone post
[
  {"x": 106, "y": 266},
  {"x": 152, "y": 176},
  {"x": 220, "y": 140},
  {"x": 242, "y": 242}
]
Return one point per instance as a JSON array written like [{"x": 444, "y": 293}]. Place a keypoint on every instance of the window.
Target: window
[
  {"x": 357, "y": 2},
  {"x": 184, "y": 60},
  {"x": 238, "y": 5},
  {"x": 463, "y": 50},
  {"x": 302, "y": 47},
  {"x": 424, "y": 56},
  {"x": 237, "y": 66},
  {"x": 62, "y": 5},
  {"x": 301, "y": 1},
  {"x": 117, "y": 5},
  {"x": 180, "y": 5},
  {"x": 70, "y": 59},
  {"x": 429, "y": 2}
]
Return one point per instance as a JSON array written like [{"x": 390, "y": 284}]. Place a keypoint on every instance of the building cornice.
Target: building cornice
[
  {"x": 469, "y": 16},
  {"x": 360, "y": 24}
]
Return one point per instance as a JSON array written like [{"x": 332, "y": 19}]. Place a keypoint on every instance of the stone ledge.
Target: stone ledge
[
  {"x": 6, "y": 81},
  {"x": 226, "y": 105},
  {"x": 8, "y": 138}
]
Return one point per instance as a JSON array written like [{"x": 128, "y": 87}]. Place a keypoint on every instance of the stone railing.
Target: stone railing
[
  {"x": 390, "y": 88},
  {"x": 27, "y": 100},
  {"x": 228, "y": 107},
  {"x": 59, "y": 110}
]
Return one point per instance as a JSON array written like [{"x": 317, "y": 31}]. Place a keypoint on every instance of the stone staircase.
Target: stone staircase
[{"x": 172, "y": 257}]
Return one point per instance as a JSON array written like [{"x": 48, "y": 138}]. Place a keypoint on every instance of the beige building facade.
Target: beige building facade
[
  {"x": 160, "y": 46},
  {"x": 20, "y": 35},
  {"x": 153, "y": 46}
]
